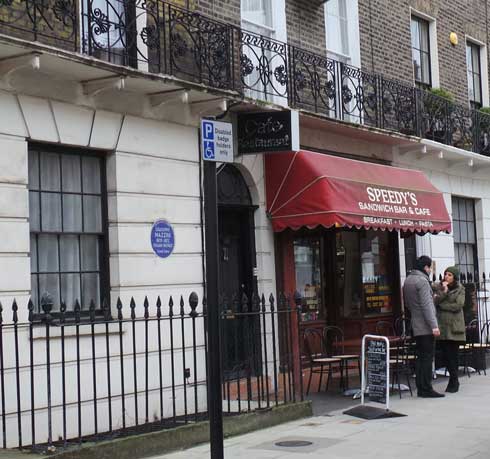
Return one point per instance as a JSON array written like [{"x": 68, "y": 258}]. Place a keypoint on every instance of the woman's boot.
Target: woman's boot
[{"x": 453, "y": 385}]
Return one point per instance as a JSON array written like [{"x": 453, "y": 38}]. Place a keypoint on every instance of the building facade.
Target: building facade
[{"x": 101, "y": 103}]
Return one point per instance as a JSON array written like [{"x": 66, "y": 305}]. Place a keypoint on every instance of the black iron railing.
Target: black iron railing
[
  {"x": 158, "y": 37},
  {"x": 134, "y": 369}
]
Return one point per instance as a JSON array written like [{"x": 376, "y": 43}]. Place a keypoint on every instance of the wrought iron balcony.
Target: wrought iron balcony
[{"x": 157, "y": 37}]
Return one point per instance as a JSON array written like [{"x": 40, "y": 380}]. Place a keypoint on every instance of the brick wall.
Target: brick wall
[
  {"x": 306, "y": 24},
  {"x": 386, "y": 42},
  {"x": 222, "y": 10}
]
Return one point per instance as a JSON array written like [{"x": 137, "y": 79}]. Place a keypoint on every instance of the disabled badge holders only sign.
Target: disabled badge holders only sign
[
  {"x": 162, "y": 238},
  {"x": 217, "y": 141}
]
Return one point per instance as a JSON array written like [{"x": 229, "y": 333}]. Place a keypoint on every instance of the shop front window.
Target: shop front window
[
  {"x": 348, "y": 273},
  {"x": 307, "y": 261},
  {"x": 364, "y": 283}
]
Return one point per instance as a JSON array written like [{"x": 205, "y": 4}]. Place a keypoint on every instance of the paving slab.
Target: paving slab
[{"x": 453, "y": 427}]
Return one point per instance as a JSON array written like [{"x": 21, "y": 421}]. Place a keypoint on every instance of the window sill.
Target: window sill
[{"x": 85, "y": 330}]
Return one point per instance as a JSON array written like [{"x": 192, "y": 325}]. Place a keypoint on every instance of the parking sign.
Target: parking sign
[{"x": 217, "y": 141}]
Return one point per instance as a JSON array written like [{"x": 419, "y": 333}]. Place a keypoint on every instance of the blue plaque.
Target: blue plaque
[{"x": 162, "y": 238}]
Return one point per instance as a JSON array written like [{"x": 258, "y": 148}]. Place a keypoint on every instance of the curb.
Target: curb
[{"x": 166, "y": 441}]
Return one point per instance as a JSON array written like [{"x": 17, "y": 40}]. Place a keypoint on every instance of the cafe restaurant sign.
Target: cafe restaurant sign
[{"x": 268, "y": 132}]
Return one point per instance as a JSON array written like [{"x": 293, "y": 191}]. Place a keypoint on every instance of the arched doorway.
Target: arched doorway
[{"x": 237, "y": 260}]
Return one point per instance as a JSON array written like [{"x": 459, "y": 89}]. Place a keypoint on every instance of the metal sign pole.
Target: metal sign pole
[
  {"x": 214, "y": 346},
  {"x": 216, "y": 145}
]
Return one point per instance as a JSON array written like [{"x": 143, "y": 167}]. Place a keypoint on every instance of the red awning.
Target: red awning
[{"x": 307, "y": 189}]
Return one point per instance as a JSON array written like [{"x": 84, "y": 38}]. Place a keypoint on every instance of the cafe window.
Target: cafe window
[
  {"x": 364, "y": 272},
  {"x": 307, "y": 261}
]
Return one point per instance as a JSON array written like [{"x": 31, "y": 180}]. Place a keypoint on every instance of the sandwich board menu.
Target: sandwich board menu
[{"x": 377, "y": 370}]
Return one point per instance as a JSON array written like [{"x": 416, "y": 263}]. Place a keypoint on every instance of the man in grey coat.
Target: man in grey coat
[{"x": 418, "y": 298}]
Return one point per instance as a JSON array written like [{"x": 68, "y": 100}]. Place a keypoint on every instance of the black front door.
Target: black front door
[
  {"x": 236, "y": 280},
  {"x": 240, "y": 336}
]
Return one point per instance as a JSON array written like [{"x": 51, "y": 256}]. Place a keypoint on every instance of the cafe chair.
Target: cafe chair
[
  {"x": 467, "y": 350},
  {"x": 403, "y": 326},
  {"x": 402, "y": 360},
  {"x": 385, "y": 328},
  {"x": 335, "y": 345},
  {"x": 476, "y": 347},
  {"x": 316, "y": 358}
]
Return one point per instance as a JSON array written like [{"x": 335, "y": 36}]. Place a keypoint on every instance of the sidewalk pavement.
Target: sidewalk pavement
[{"x": 453, "y": 427}]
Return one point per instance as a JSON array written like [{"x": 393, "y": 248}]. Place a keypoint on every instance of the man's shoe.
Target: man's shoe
[{"x": 431, "y": 394}]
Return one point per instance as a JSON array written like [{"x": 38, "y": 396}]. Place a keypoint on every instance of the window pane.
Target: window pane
[
  {"x": 462, "y": 209},
  {"x": 48, "y": 252},
  {"x": 34, "y": 296},
  {"x": 464, "y": 232},
  {"x": 378, "y": 295},
  {"x": 49, "y": 283},
  {"x": 425, "y": 68},
  {"x": 470, "y": 210},
  {"x": 70, "y": 289},
  {"x": 50, "y": 172},
  {"x": 90, "y": 253},
  {"x": 308, "y": 276},
  {"x": 90, "y": 289},
  {"x": 33, "y": 254},
  {"x": 333, "y": 35},
  {"x": 91, "y": 174},
  {"x": 415, "y": 34},
  {"x": 455, "y": 208},
  {"x": 424, "y": 36},
  {"x": 475, "y": 52},
  {"x": 471, "y": 93},
  {"x": 348, "y": 270},
  {"x": 477, "y": 88},
  {"x": 70, "y": 166},
  {"x": 469, "y": 258},
  {"x": 469, "y": 60},
  {"x": 72, "y": 213},
  {"x": 69, "y": 253},
  {"x": 51, "y": 211},
  {"x": 457, "y": 232},
  {"x": 92, "y": 214},
  {"x": 33, "y": 165},
  {"x": 417, "y": 64},
  {"x": 471, "y": 232},
  {"x": 34, "y": 211}
]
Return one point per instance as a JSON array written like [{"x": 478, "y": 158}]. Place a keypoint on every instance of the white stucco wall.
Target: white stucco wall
[
  {"x": 461, "y": 182},
  {"x": 152, "y": 173}
]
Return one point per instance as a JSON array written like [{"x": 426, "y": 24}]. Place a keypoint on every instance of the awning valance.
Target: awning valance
[{"x": 308, "y": 189}]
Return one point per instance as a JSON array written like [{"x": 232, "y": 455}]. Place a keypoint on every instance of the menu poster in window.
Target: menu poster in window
[
  {"x": 377, "y": 297},
  {"x": 377, "y": 371},
  {"x": 311, "y": 297}
]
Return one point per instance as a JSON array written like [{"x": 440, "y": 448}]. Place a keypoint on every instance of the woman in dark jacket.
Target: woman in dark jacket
[{"x": 449, "y": 300}]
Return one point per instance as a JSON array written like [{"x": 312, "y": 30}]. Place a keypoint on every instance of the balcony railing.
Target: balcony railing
[{"x": 157, "y": 37}]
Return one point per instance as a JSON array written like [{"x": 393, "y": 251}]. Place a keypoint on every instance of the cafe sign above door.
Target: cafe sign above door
[{"x": 267, "y": 132}]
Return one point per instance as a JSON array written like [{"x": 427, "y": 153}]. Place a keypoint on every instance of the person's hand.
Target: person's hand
[
  {"x": 444, "y": 286},
  {"x": 436, "y": 332}
]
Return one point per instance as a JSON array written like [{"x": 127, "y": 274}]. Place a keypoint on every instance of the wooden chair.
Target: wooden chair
[
  {"x": 334, "y": 342},
  {"x": 316, "y": 358}
]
